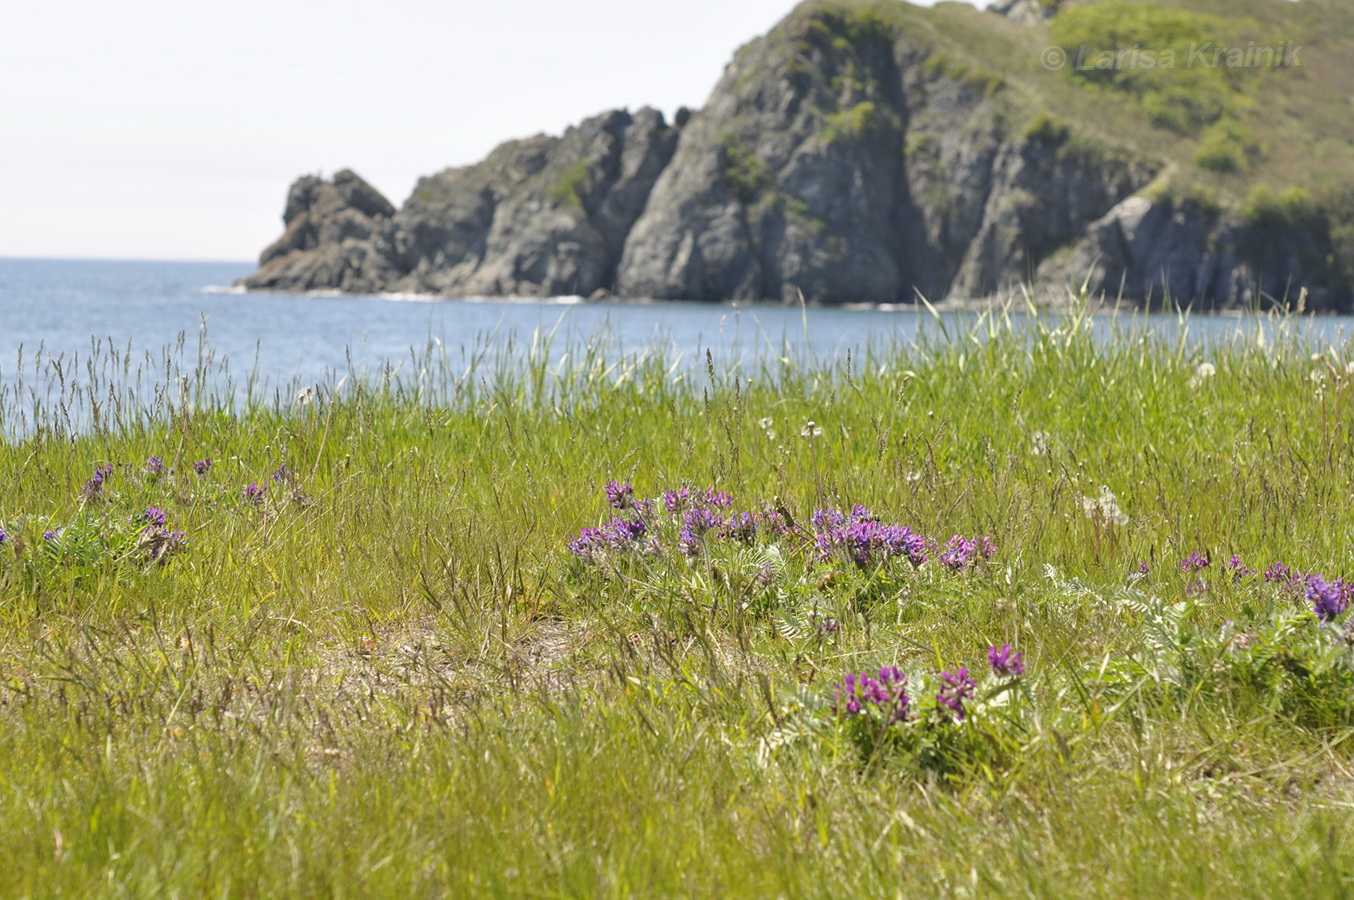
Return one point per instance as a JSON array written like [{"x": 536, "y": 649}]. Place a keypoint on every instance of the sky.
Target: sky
[{"x": 149, "y": 129}]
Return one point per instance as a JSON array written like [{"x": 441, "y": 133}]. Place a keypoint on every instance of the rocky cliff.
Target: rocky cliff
[{"x": 851, "y": 155}]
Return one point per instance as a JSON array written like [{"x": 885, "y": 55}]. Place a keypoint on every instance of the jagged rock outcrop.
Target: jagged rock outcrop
[
  {"x": 840, "y": 158},
  {"x": 1026, "y": 12},
  {"x": 1174, "y": 253},
  {"x": 334, "y": 238},
  {"x": 541, "y": 216}
]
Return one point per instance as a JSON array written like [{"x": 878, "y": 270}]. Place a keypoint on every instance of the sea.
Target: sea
[{"x": 61, "y": 318}]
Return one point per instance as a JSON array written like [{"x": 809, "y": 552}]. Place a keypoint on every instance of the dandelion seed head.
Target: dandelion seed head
[{"x": 1104, "y": 508}]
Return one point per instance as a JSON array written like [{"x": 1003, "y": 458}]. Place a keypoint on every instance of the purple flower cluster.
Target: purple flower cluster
[
  {"x": 93, "y": 488},
  {"x": 869, "y": 542},
  {"x": 1240, "y": 571},
  {"x": 1006, "y": 662},
  {"x": 955, "y": 688},
  {"x": 742, "y": 527},
  {"x": 827, "y": 519},
  {"x": 3, "y": 535},
  {"x": 1195, "y": 562},
  {"x": 961, "y": 554},
  {"x": 160, "y": 543},
  {"x": 156, "y": 538},
  {"x": 858, "y": 693},
  {"x": 283, "y": 475},
  {"x": 864, "y": 539},
  {"x": 202, "y": 465},
  {"x": 154, "y": 466},
  {"x": 619, "y": 494},
  {"x": 255, "y": 495},
  {"x": 618, "y": 534},
  {"x": 678, "y": 500},
  {"x": 1328, "y": 599},
  {"x": 1278, "y": 573},
  {"x": 718, "y": 499},
  {"x": 697, "y": 513},
  {"x": 695, "y": 523},
  {"x": 684, "y": 498},
  {"x": 958, "y": 553}
]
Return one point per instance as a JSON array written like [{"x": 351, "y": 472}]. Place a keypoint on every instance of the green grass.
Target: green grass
[
  {"x": 747, "y": 174},
  {"x": 392, "y": 678},
  {"x": 568, "y": 190}
]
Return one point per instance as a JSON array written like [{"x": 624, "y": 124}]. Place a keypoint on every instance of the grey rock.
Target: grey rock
[
  {"x": 1026, "y": 12},
  {"x": 335, "y": 238},
  {"x": 836, "y": 160},
  {"x": 1180, "y": 253}
]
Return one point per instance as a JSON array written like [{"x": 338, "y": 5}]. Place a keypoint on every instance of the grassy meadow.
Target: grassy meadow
[{"x": 398, "y": 639}]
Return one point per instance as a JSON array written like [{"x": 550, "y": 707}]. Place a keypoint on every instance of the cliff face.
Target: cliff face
[
  {"x": 839, "y": 157},
  {"x": 542, "y": 216}
]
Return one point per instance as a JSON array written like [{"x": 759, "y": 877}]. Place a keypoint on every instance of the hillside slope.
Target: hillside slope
[{"x": 1199, "y": 151}]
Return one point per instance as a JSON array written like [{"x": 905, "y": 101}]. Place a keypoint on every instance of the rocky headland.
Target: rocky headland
[{"x": 860, "y": 152}]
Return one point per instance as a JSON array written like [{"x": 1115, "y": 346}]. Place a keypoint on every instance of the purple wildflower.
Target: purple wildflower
[
  {"x": 742, "y": 527},
  {"x": 1277, "y": 573},
  {"x": 899, "y": 540},
  {"x": 823, "y": 519},
  {"x": 51, "y": 534},
  {"x": 773, "y": 523},
  {"x": 678, "y": 500},
  {"x": 958, "y": 554},
  {"x": 955, "y": 688},
  {"x": 160, "y": 543},
  {"x": 1240, "y": 571},
  {"x": 624, "y": 531},
  {"x": 283, "y": 475},
  {"x": 588, "y": 544},
  {"x": 867, "y": 542},
  {"x": 1006, "y": 662},
  {"x": 987, "y": 548},
  {"x": 254, "y": 494},
  {"x": 3, "y": 536},
  {"x": 861, "y": 513},
  {"x": 154, "y": 516},
  {"x": 1328, "y": 598},
  {"x": 766, "y": 576},
  {"x": 618, "y": 535},
  {"x": 619, "y": 494},
  {"x": 1193, "y": 563},
  {"x": 695, "y": 523},
  {"x": 887, "y": 693},
  {"x": 154, "y": 466},
  {"x": 1142, "y": 570},
  {"x": 718, "y": 499},
  {"x": 830, "y": 626},
  {"x": 93, "y": 488},
  {"x": 202, "y": 465}
]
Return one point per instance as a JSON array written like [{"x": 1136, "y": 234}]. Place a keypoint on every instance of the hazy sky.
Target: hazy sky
[{"x": 168, "y": 130}]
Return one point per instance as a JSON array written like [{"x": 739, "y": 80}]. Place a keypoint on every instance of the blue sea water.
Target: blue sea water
[{"x": 67, "y": 309}]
